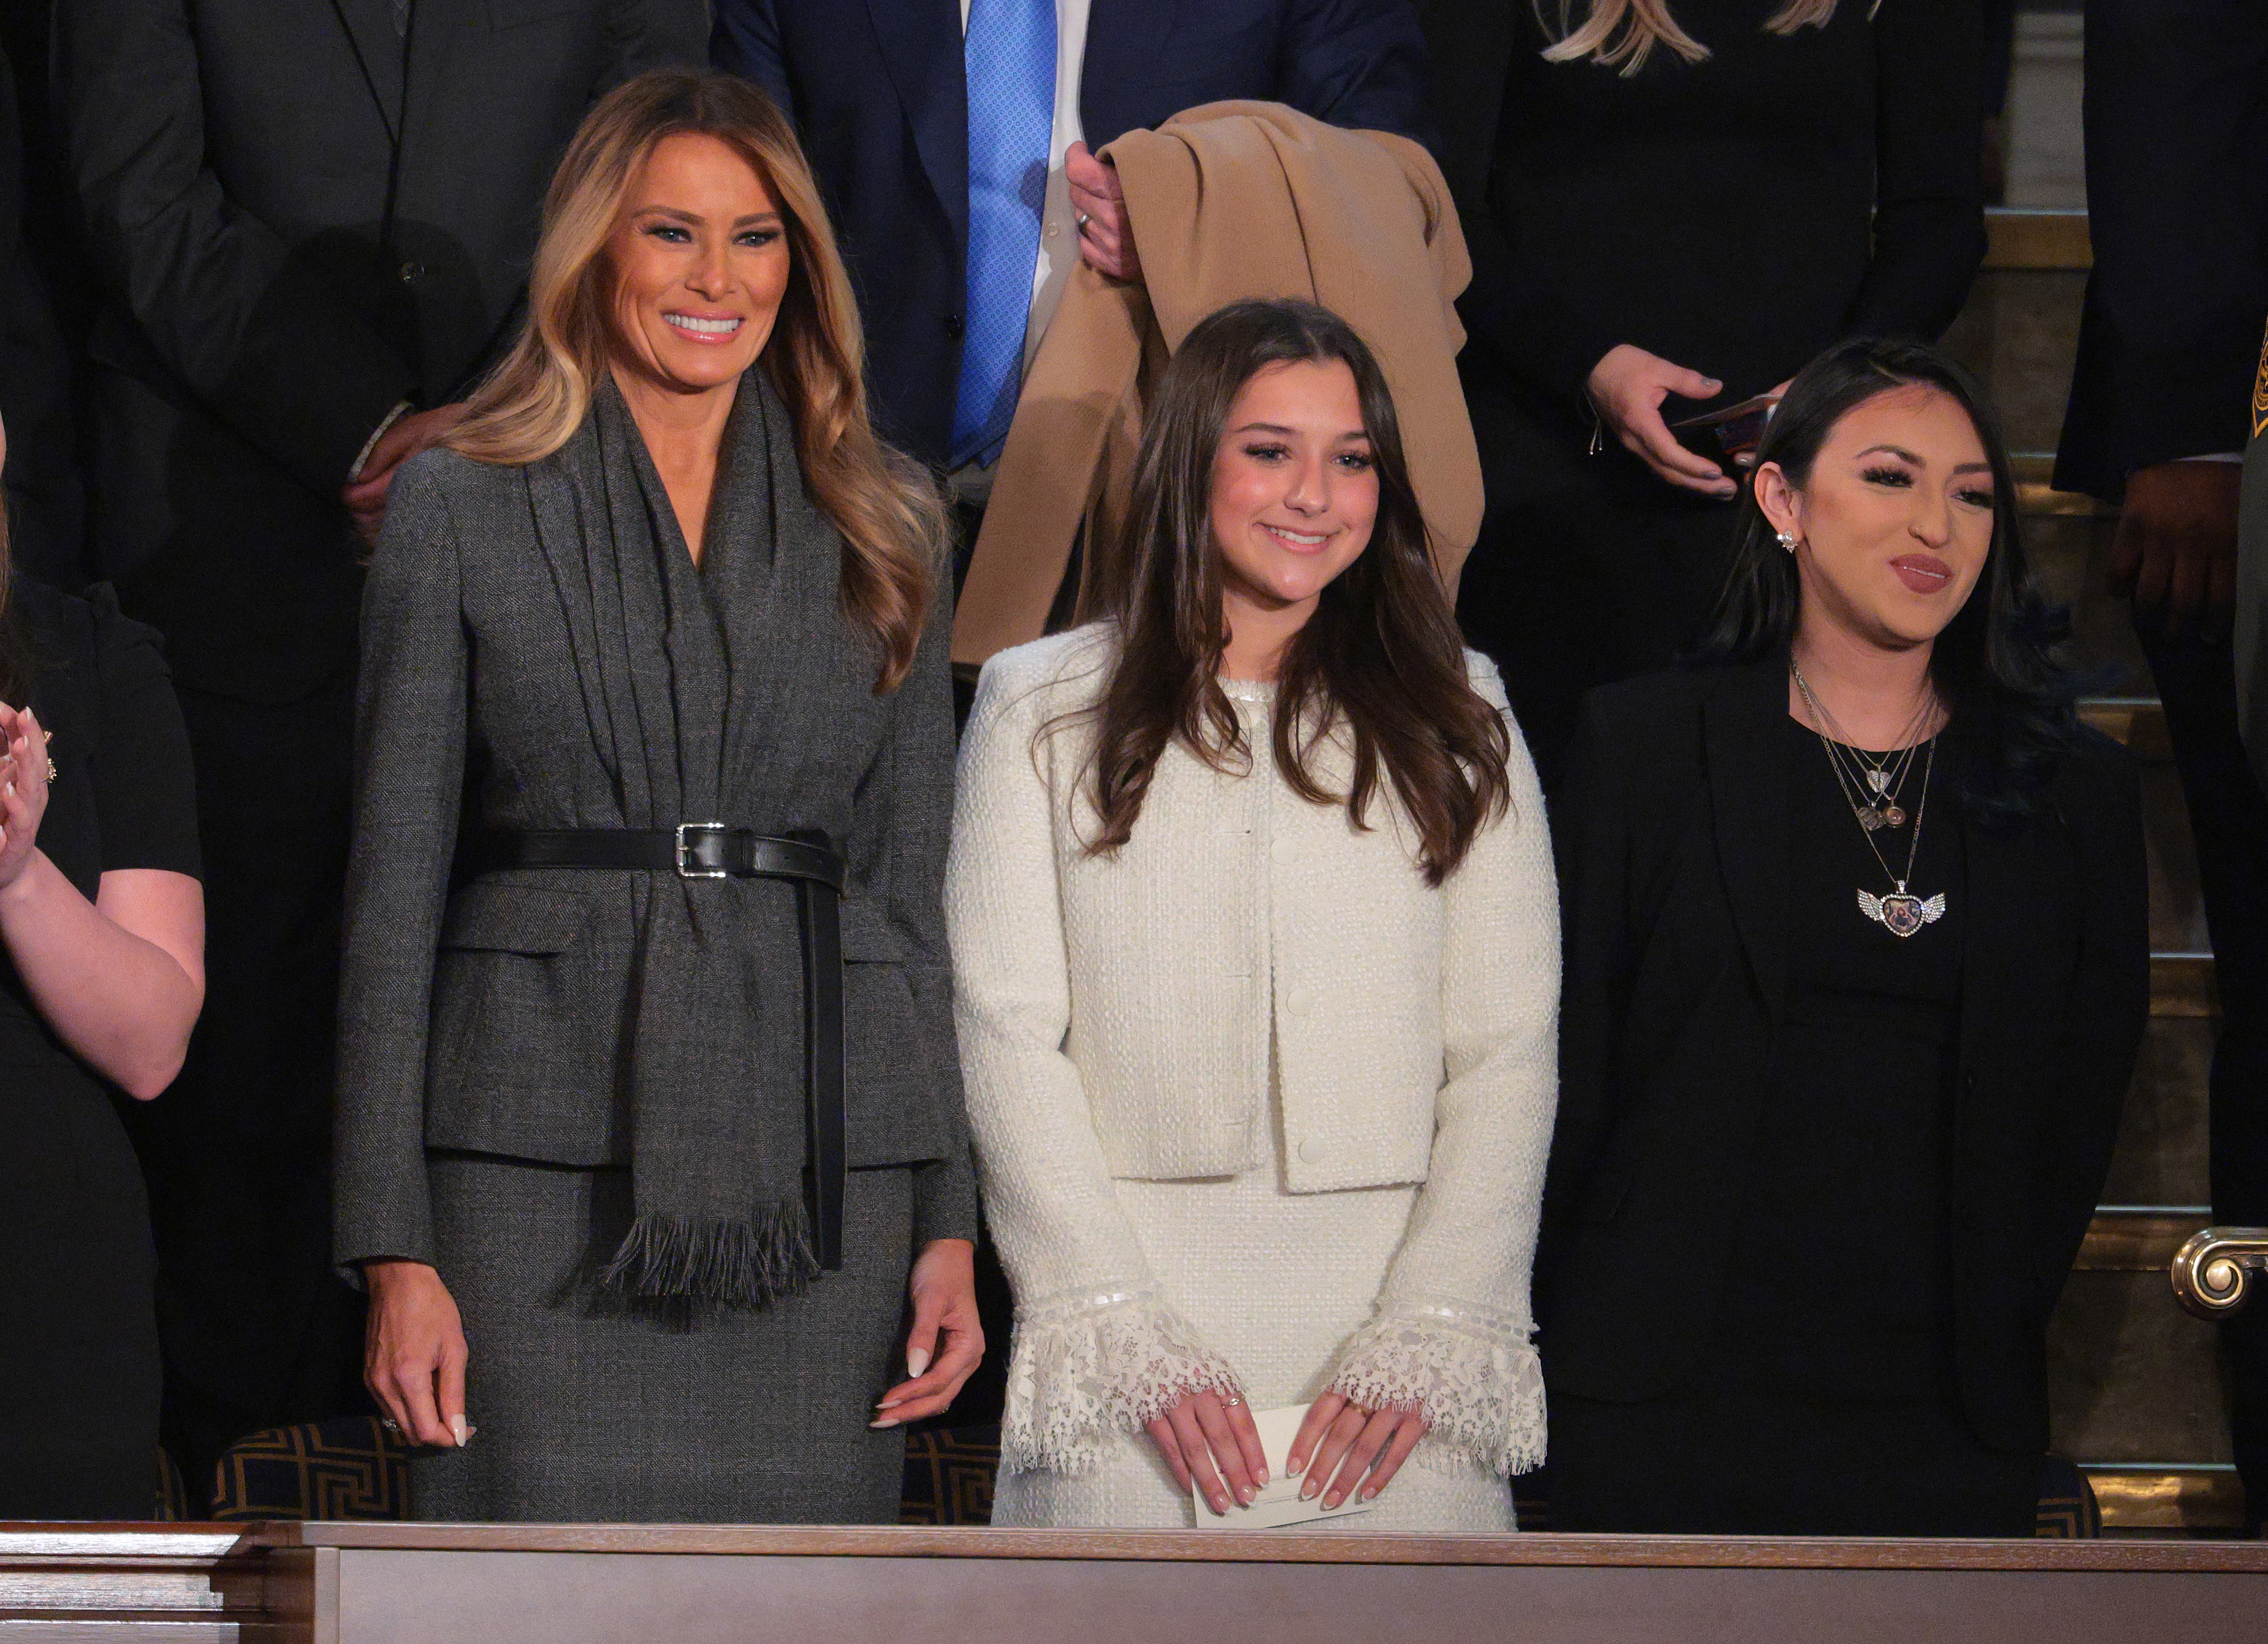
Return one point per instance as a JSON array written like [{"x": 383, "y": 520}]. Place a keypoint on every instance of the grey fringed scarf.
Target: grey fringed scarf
[{"x": 684, "y": 672}]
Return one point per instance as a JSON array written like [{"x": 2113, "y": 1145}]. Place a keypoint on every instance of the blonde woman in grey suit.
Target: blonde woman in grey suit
[
  {"x": 652, "y": 791},
  {"x": 1255, "y": 948}
]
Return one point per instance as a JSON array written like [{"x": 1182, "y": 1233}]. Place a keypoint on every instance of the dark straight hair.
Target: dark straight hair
[
  {"x": 1381, "y": 656},
  {"x": 2000, "y": 664}
]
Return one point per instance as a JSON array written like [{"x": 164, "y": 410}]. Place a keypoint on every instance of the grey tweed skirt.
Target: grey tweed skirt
[{"x": 590, "y": 1413}]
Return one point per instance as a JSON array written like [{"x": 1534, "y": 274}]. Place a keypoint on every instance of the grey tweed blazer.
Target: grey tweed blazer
[{"x": 490, "y": 1011}]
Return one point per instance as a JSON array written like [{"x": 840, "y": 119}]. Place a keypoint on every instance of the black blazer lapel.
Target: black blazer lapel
[
  {"x": 369, "y": 23},
  {"x": 1748, "y": 795},
  {"x": 921, "y": 41}
]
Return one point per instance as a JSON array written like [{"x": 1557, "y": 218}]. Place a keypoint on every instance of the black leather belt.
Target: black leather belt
[{"x": 715, "y": 851}]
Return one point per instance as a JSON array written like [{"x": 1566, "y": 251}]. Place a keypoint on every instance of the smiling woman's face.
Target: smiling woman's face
[
  {"x": 1895, "y": 520},
  {"x": 1294, "y": 485},
  {"x": 700, "y": 259}
]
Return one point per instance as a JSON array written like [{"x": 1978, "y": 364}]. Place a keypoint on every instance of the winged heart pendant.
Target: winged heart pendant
[{"x": 1900, "y": 914}]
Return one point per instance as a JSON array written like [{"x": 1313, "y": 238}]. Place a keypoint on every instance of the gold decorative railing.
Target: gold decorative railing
[{"x": 2214, "y": 1272}]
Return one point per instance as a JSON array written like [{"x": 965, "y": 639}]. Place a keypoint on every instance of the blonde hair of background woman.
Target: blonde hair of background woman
[
  {"x": 1625, "y": 30},
  {"x": 888, "y": 508}
]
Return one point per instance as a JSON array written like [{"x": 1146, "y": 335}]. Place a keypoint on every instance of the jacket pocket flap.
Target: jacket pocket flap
[
  {"x": 514, "y": 919},
  {"x": 868, "y": 936}
]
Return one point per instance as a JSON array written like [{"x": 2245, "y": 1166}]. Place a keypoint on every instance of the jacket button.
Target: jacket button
[
  {"x": 1300, "y": 1000},
  {"x": 952, "y": 327},
  {"x": 1283, "y": 851},
  {"x": 412, "y": 272},
  {"x": 1312, "y": 1150}
]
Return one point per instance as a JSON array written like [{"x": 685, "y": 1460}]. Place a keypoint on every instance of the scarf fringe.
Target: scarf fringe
[{"x": 743, "y": 1262}]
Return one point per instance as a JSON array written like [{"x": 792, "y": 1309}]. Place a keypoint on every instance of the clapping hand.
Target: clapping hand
[{"x": 24, "y": 768}]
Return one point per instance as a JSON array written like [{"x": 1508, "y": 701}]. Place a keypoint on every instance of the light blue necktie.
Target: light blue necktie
[{"x": 1009, "y": 53}]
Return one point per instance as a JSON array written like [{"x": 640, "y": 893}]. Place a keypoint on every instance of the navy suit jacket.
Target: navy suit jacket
[{"x": 876, "y": 92}]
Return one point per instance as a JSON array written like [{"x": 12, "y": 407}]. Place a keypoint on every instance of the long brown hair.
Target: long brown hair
[
  {"x": 887, "y": 507},
  {"x": 1625, "y": 32},
  {"x": 1380, "y": 657}
]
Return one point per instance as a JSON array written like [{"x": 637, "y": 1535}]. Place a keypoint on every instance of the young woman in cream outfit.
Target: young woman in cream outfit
[{"x": 1255, "y": 947}]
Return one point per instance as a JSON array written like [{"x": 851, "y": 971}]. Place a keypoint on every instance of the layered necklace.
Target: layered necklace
[{"x": 1872, "y": 787}]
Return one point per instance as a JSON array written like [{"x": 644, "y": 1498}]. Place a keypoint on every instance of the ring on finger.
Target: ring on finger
[{"x": 1082, "y": 220}]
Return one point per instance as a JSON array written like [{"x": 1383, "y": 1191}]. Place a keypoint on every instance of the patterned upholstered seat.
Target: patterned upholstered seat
[
  {"x": 949, "y": 1474},
  {"x": 347, "y": 1467}
]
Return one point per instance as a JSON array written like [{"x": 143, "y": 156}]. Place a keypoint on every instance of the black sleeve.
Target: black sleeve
[
  {"x": 2176, "y": 126},
  {"x": 1929, "y": 193},
  {"x": 1512, "y": 310},
  {"x": 1356, "y": 63},
  {"x": 257, "y": 334},
  {"x": 145, "y": 793},
  {"x": 2102, "y": 801},
  {"x": 1593, "y": 840}
]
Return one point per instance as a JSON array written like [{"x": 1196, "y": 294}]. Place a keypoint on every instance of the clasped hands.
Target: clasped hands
[{"x": 1208, "y": 1439}]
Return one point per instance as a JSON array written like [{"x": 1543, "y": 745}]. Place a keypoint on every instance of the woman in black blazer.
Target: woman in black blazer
[
  {"x": 1856, "y": 972},
  {"x": 1686, "y": 202}
]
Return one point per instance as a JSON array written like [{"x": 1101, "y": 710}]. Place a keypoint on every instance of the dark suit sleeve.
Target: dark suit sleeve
[
  {"x": 901, "y": 821},
  {"x": 409, "y": 764},
  {"x": 256, "y": 334},
  {"x": 2102, "y": 800},
  {"x": 1593, "y": 841},
  {"x": 2177, "y": 125},
  {"x": 643, "y": 34},
  {"x": 745, "y": 41},
  {"x": 1929, "y": 197},
  {"x": 1357, "y": 64}
]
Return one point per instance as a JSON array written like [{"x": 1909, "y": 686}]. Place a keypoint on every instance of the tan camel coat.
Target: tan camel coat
[{"x": 1228, "y": 200}]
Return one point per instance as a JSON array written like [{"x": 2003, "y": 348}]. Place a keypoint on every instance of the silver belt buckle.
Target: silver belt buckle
[{"x": 686, "y": 868}]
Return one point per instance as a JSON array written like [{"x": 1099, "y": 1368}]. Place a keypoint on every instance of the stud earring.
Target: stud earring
[{"x": 1787, "y": 541}]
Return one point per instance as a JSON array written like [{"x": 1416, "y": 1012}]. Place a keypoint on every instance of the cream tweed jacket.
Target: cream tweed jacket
[{"x": 1116, "y": 1016}]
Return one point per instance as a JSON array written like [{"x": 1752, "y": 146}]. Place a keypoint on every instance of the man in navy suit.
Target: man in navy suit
[{"x": 926, "y": 120}]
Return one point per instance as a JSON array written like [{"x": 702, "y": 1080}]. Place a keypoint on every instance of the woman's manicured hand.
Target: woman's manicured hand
[
  {"x": 1627, "y": 388},
  {"x": 946, "y": 1342},
  {"x": 1208, "y": 1438},
  {"x": 1343, "y": 1438},
  {"x": 414, "y": 1352}
]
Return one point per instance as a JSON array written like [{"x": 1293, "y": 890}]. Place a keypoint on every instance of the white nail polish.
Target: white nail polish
[
  {"x": 459, "y": 1431},
  {"x": 886, "y": 1421},
  {"x": 917, "y": 1360}
]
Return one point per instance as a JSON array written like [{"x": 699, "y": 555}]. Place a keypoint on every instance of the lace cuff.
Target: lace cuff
[
  {"x": 1474, "y": 1373},
  {"x": 1084, "y": 1370}
]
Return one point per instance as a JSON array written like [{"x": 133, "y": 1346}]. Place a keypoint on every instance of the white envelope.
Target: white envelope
[{"x": 1279, "y": 1503}]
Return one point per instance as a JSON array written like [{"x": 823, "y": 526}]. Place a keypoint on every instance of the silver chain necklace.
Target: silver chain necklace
[{"x": 1900, "y": 912}]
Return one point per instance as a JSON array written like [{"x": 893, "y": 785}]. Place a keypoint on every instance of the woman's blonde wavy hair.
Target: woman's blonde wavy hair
[
  {"x": 1625, "y": 30},
  {"x": 888, "y": 508}
]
